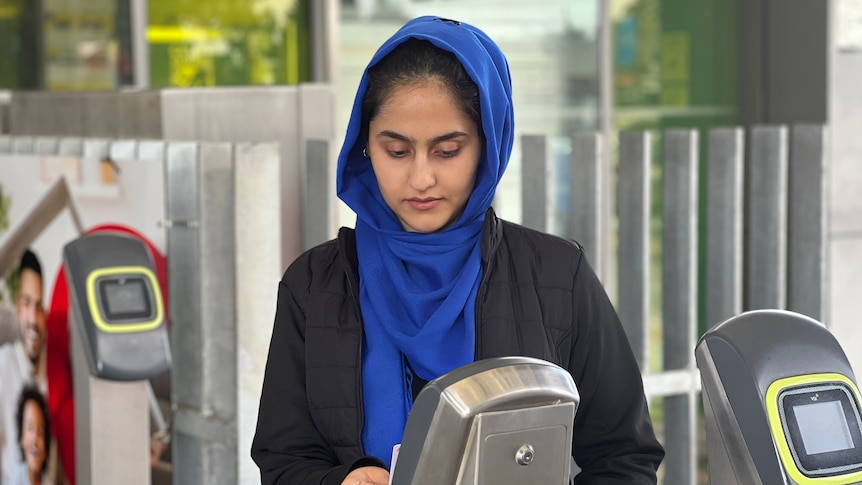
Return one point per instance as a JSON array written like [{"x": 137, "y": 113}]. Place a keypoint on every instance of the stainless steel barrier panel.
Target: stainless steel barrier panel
[
  {"x": 807, "y": 259},
  {"x": 200, "y": 221},
  {"x": 724, "y": 212},
  {"x": 633, "y": 254},
  {"x": 316, "y": 124},
  {"x": 249, "y": 114},
  {"x": 504, "y": 421},
  {"x": 535, "y": 153},
  {"x": 587, "y": 184},
  {"x": 288, "y": 115},
  {"x": 766, "y": 219},
  {"x": 258, "y": 260},
  {"x": 679, "y": 297},
  {"x": 223, "y": 243}
]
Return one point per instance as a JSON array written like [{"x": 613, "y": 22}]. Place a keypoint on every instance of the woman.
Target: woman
[
  {"x": 34, "y": 438},
  {"x": 431, "y": 280}
]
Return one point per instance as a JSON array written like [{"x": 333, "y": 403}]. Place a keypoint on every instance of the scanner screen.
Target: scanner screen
[
  {"x": 125, "y": 298},
  {"x": 823, "y": 427}
]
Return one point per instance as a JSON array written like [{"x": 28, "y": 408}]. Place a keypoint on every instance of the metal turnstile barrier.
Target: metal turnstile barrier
[
  {"x": 780, "y": 401},
  {"x": 503, "y": 421}
]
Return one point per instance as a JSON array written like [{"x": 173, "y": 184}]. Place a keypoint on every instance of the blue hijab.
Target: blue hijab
[{"x": 418, "y": 291}]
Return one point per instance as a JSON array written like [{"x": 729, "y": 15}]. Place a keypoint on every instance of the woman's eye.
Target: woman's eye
[
  {"x": 397, "y": 153},
  {"x": 448, "y": 153}
]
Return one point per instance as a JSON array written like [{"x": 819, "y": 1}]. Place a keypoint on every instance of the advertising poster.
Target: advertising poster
[{"x": 117, "y": 195}]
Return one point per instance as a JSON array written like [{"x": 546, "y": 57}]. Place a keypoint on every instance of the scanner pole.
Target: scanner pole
[{"x": 112, "y": 435}]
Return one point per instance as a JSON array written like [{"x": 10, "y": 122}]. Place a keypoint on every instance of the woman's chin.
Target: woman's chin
[
  {"x": 422, "y": 226},
  {"x": 426, "y": 224}
]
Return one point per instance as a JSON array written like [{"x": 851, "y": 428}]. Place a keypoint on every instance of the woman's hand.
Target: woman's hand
[{"x": 367, "y": 475}]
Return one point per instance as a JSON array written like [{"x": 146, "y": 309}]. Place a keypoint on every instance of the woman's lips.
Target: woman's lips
[{"x": 423, "y": 204}]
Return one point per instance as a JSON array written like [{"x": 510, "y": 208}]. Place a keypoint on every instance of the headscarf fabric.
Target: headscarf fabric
[{"x": 418, "y": 291}]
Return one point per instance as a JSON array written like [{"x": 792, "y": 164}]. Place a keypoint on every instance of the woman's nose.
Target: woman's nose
[{"x": 421, "y": 174}]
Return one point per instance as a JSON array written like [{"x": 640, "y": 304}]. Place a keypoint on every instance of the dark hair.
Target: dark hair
[
  {"x": 30, "y": 261},
  {"x": 416, "y": 61},
  {"x": 30, "y": 393}
]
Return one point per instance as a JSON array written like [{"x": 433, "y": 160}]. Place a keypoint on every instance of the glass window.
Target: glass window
[
  {"x": 61, "y": 46},
  {"x": 228, "y": 42},
  {"x": 80, "y": 46},
  {"x": 17, "y": 45}
]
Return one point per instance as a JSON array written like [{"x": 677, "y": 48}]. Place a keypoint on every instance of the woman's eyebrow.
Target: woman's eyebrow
[
  {"x": 397, "y": 136},
  {"x": 436, "y": 139},
  {"x": 447, "y": 136}
]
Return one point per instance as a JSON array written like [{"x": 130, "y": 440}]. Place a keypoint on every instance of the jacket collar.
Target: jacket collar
[{"x": 492, "y": 233}]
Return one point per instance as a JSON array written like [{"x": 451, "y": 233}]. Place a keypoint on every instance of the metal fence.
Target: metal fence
[
  {"x": 761, "y": 244},
  {"x": 765, "y": 243}
]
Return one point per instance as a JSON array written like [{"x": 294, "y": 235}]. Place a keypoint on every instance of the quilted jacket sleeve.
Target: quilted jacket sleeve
[
  {"x": 613, "y": 442},
  {"x": 287, "y": 446}
]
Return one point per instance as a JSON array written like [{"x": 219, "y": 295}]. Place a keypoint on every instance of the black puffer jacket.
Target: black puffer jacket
[{"x": 538, "y": 298}]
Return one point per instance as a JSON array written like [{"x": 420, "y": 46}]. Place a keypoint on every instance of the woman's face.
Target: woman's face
[
  {"x": 425, "y": 152},
  {"x": 33, "y": 436}
]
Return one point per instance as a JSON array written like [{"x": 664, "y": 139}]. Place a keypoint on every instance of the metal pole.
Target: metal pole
[
  {"x": 606, "y": 113},
  {"x": 111, "y": 425},
  {"x": 535, "y": 150},
  {"x": 258, "y": 268},
  {"x": 317, "y": 198},
  {"x": 724, "y": 225},
  {"x": 587, "y": 192},
  {"x": 140, "y": 43},
  {"x": 807, "y": 260},
  {"x": 200, "y": 207},
  {"x": 679, "y": 295},
  {"x": 634, "y": 213},
  {"x": 766, "y": 227},
  {"x": 324, "y": 40}
]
